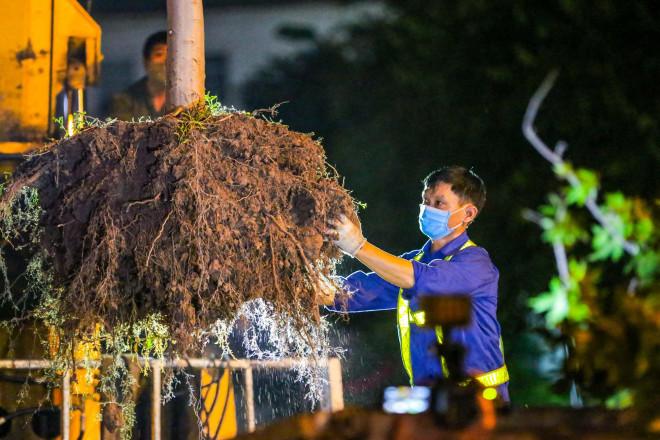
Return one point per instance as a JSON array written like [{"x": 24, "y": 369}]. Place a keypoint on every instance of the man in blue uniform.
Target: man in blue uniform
[{"x": 448, "y": 264}]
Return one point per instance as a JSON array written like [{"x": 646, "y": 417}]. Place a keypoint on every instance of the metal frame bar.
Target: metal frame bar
[
  {"x": 155, "y": 399},
  {"x": 249, "y": 400},
  {"x": 333, "y": 399},
  {"x": 66, "y": 405}
]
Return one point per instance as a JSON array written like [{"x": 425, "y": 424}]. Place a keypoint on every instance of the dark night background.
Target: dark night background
[
  {"x": 446, "y": 83},
  {"x": 435, "y": 83}
]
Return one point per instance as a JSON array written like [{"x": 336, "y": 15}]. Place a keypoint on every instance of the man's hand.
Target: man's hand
[{"x": 349, "y": 235}]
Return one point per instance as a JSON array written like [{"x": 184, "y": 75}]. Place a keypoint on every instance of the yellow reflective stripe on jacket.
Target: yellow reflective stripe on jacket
[
  {"x": 405, "y": 316},
  {"x": 494, "y": 378},
  {"x": 419, "y": 318}
]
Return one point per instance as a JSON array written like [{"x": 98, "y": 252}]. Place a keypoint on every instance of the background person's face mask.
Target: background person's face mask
[
  {"x": 157, "y": 73},
  {"x": 433, "y": 221}
]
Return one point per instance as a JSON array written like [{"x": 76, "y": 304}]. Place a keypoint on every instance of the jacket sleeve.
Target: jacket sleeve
[
  {"x": 466, "y": 273},
  {"x": 368, "y": 292}
]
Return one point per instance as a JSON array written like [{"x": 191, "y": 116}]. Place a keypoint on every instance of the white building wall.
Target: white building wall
[{"x": 245, "y": 37}]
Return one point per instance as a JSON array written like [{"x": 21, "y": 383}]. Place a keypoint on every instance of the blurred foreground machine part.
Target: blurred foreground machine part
[
  {"x": 50, "y": 51},
  {"x": 524, "y": 423}
]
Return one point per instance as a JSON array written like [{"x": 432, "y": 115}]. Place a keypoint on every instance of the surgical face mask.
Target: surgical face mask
[
  {"x": 157, "y": 73},
  {"x": 433, "y": 221}
]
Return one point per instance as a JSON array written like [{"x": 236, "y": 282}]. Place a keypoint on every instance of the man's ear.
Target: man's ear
[{"x": 471, "y": 213}]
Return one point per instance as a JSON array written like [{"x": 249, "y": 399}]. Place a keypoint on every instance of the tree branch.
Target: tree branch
[{"x": 555, "y": 157}]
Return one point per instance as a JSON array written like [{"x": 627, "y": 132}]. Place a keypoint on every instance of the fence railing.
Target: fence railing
[{"x": 333, "y": 397}]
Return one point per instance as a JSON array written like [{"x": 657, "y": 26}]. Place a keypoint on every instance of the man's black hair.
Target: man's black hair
[
  {"x": 464, "y": 183},
  {"x": 159, "y": 37}
]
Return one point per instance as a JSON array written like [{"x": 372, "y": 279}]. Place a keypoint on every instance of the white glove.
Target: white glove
[{"x": 350, "y": 239}]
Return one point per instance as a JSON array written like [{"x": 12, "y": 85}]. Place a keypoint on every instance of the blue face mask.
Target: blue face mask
[{"x": 433, "y": 221}]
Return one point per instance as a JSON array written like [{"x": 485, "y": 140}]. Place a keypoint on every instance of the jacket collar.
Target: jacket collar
[{"x": 449, "y": 249}]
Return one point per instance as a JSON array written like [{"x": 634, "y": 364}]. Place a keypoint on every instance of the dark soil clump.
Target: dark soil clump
[{"x": 187, "y": 218}]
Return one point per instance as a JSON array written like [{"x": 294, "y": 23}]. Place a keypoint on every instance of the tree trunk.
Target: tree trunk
[{"x": 185, "y": 53}]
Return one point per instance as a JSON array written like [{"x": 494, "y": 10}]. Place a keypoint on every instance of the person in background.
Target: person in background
[
  {"x": 448, "y": 264},
  {"x": 146, "y": 97}
]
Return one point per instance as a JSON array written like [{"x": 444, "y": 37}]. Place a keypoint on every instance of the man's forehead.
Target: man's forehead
[{"x": 440, "y": 189}]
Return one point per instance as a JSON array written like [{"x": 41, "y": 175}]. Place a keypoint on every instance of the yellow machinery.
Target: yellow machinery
[
  {"x": 85, "y": 400},
  {"x": 218, "y": 415},
  {"x": 50, "y": 51}
]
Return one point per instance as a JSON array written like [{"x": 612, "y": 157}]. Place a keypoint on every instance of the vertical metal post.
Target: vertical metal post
[
  {"x": 249, "y": 400},
  {"x": 333, "y": 400},
  {"x": 155, "y": 400},
  {"x": 66, "y": 404},
  {"x": 336, "y": 386}
]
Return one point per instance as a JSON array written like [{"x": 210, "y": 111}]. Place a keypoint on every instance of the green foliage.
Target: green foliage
[
  {"x": 195, "y": 116},
  {"x": 19, "y": 228},
  {"x": 563, "y": 301},
  {"x": 620, "y": 399},
  {"x": 557, "y": 225},
  {"x": 586, "y": 188},
  {"x": 60, "y": 122},
  {"x": 215, "y": 107},
  {"x": 554, "y": 303},
  {"x": 80, "y": 121},
  {"x": 606, "y": 299}
]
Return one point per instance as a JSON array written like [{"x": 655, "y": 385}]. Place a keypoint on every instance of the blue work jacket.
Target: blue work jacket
[{"x": 470, "y": 271}]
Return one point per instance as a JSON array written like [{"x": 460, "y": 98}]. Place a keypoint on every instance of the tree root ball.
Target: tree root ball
[{"x": 188, "y": 217}]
